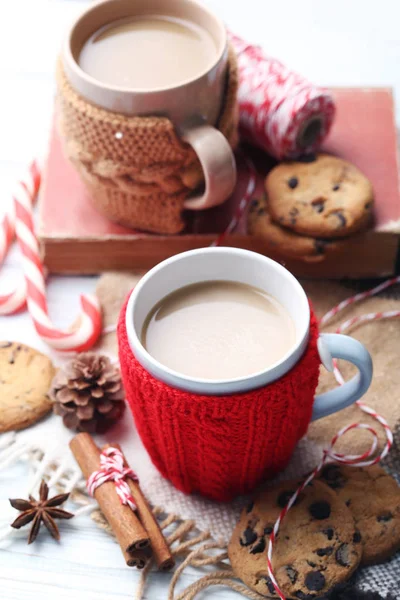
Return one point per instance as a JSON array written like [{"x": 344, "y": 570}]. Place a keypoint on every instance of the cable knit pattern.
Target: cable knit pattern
[
  {"x": 220, "y": 446},
  {"x": 142, "y": 177}
]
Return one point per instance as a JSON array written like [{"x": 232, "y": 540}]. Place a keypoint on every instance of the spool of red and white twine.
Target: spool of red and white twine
[
  {"x": 33, "y": 293},
  {"x": 279, "y": 110}
]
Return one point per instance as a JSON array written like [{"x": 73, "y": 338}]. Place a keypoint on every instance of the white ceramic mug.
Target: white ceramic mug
[
  {"x": 193, "y": 106},
  {"x": 230, "y": 264}
]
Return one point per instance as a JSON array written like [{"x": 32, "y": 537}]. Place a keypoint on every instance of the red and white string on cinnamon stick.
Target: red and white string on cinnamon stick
[
  {"x": 161, "y": 552},
  {"x": 128, "y": 530},
  {"x": 116, "y": 488}
]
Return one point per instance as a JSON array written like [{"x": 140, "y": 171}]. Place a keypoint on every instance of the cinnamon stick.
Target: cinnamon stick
[
  {"x": 161, "y": 552},
  {"x": 136, "y": 559},
  {"x": 140, "y": 558},
  {"x": 128, "y": 530}
]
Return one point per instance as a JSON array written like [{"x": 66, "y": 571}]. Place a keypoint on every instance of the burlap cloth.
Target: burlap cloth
[
  {"x": 138, "y": 171},
  {"x": 382, "y": 340}
]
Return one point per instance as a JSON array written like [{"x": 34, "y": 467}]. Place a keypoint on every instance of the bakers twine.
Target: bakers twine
[
  {"x": 362, "y": 460},
  {"x": 242, "y": 206},
  {"x": 112, "y": 469},
  {"x": 276, "y": 104}
]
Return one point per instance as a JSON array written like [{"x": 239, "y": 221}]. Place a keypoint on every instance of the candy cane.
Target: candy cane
[
  {"x": 15, "y": 301},
  {"x": 89, "y": 324},
  {"x": 362, "y": 460}
]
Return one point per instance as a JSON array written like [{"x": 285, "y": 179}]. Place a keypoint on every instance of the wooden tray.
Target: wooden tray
[{"x": 75, "y": 238}]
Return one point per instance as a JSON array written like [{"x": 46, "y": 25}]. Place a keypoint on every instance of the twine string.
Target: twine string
[
  {"x": 357, "y": 297},
  {"x": 276, "y": 104},
  {"x": 244, "y": 201},
  {"x": 367, "y": 458},
  {"x": 112, "y": 469}
]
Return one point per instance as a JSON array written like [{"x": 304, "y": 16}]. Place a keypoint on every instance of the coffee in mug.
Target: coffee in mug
[
  {"x": 221, "y": 437},
  {"x": 150, "y": 58},
  {"x": 148, "y": 52},
  {"x": 218, "y": 330}
]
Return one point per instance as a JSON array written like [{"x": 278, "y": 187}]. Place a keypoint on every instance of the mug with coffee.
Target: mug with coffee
[
  {"x": 143, "y": 87},
  {"x": 220, "y": 355},
  {"x": 147, "y": 52},
  {"x": 190, "y": 331}
]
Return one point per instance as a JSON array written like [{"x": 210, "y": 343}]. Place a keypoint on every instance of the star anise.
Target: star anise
[{"x": 37, "y": 511}]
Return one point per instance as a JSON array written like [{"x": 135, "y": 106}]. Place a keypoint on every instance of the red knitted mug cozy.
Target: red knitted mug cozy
[{"x": 220, "y": 446}]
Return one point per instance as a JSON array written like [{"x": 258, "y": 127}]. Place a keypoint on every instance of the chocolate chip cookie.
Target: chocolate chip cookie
[
  {"x": 284, "y": 241},
  {"x": 25, "y": 377},
  {"x": 327, "y": 197},
  {"x": 373, "y": 497},
  {"x": 316, "y": 546}
]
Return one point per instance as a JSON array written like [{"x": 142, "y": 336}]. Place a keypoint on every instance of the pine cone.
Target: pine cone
[{"x": 88, "y": 393}]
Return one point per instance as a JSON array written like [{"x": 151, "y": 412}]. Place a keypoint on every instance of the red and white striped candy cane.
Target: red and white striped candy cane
[
  {"x": 368, "y": 458},
  {"x": 15, "y": 301},
  {"x": 89, "y": 322}
]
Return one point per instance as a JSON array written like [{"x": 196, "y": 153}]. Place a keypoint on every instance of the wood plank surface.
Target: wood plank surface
[{"x": 333, "y": 43}]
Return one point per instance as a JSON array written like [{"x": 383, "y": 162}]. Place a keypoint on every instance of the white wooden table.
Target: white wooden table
[{"x": 345, "y": 42}]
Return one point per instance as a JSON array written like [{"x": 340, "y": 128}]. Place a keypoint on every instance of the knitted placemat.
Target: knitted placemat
[
  {"x": 381, "y": 339},
  {"x": 137, "y": 169}
]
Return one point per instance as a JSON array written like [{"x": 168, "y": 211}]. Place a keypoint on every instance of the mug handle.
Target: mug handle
[
  {"x": 334, "y": 345},
  {"x": 218, "y": 163}
]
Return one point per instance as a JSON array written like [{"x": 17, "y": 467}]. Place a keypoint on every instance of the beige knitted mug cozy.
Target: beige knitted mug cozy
[{"x": 137, "y": 170}]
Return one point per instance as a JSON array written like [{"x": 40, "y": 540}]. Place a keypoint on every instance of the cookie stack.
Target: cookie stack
[
  {"x": 349, "y": 517},
  {"x": 311, "y": 206}
]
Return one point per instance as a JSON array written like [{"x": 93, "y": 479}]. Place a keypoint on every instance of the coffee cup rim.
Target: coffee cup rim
[
  {"x": 73, "y": 68},
  {"x": 217, "y": 386}
]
